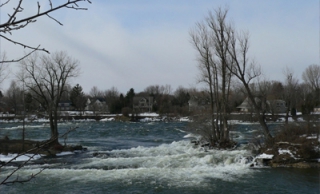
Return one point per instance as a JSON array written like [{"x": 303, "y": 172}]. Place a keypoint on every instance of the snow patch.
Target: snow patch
[
  {"x": 150, "y": 114},
  {"x": 281, "y": 151},
  {"x": 107, "y": 119},
  {"x": 184, "y": 119},
  {"x": 147, "y": 119},
  {"x": 190, "y": 135},
  {"x": 265, "y": 156}
]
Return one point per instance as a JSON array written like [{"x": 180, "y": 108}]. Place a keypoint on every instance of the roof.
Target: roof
[{"x": 245, "y": 104}]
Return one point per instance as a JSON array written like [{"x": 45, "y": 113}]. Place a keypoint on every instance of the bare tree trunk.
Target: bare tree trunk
[
  {"x": 287, "y": 114},
  {"x": 259, "y": 112},
  {"x": 264, "y": 126}
]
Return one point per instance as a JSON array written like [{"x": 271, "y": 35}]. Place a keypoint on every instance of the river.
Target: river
[{"x": 150, "y": 157}]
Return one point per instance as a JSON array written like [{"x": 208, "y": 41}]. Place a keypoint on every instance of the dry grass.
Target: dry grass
[{"x": 301, "y": 140}]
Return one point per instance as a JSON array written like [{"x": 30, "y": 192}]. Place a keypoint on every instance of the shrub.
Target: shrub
[
  {"x": 300, "y": 138},
  {"x": 126, "y": 111}
]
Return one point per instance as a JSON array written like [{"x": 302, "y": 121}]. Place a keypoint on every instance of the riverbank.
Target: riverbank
[
  {"x": 45, "y": 148},
  {"x": 76, "y": 116},
  {"x": 294, "y": 146}
]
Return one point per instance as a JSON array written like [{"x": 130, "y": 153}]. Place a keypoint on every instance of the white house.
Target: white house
[{"x": 97, "y": 104}]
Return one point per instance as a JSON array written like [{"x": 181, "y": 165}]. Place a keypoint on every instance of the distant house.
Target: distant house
[
  {"x": 273, "y": 106},
  {"x": 142, "y": 103},
  {"x": 97, "y": 105},
  {"x": 245, "y": 106},
  {"x": 65, "y": 106}
]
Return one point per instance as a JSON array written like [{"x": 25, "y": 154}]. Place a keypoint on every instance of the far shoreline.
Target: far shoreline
[{"x": 238, "y": 116}]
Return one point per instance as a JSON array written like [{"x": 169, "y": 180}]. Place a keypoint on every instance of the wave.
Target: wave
[
  {"x": 26, "y": 127},
  {"x": 176, "y": 162},
  {"x": 179, "y": 164}
]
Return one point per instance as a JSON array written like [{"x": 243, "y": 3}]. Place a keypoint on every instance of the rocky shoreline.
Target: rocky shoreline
[{"x": 34, "y": 147}]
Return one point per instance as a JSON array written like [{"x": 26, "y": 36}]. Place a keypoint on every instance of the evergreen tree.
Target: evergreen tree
[
  {"x": 129, "y": 98},
  {"x": 77, "y": 98}
]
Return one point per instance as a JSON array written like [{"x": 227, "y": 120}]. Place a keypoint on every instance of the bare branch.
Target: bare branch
[
  {"x": 19, "y": 8},
  {"x": 16, "y": 10},
  {"x": 4, "y": 3},
  {"x": 13, "y": 23},
  {"x": 38, "y": 7},
  {"x": 25, "y": 46},
  {"x": 50, "y": 4},
  {"x": 55, "y": 20},
  {"x": 25, "y": 56},
  {"x": 24, "y": 180}
]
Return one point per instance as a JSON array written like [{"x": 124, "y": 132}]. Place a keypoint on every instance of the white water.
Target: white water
[
  {"x": 176, "y": 164},
  {"x": 172, "y": 167},
  {"x": 20, "y": 158}
]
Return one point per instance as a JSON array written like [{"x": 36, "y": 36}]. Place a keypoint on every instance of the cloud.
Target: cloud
[
  {"x": 134, "y": 44},
  {"x": 147, "y": 56}
]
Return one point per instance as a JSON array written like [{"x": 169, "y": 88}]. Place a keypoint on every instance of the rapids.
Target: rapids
[{"x": 150, "y": 158}]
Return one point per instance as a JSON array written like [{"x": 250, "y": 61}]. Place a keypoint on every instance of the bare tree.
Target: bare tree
[
  {"x": 159, "y": 89},
  {"x": 290, "y": 89},
  {"x": 311, "y": 76},
  {"x": 95, "y": 92},
  {"x": 162, "y": 96},
  {"x": 112, "y": 97},
  {"x": 246, "y": 71},
  {"x": 166, "y": 89},
  {"x": 222, "y": 54},
  {"x": 276, "y": 93},
  {"x": 18, "y": 20},
  {"x": 111, "y": 94},
  {"x": 307, "y": 99},
  {"x": 3, "y": 67},
  {"x": 46, "y": 77},
  {"x": 13, "y": 97},
  {"x": 211, "y": 41},
  {"x": 201, "y": 41},
  {"x": 152, "y": 90},
  {"x": 219, "y": 26}
]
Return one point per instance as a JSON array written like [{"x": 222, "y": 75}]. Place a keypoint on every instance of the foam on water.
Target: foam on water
[
  {"x": 25, "y": 157},
  {"x": 26, "y": 127},
  {"x": 176, "y": 164},
  {"x": 36, "y": 126}
]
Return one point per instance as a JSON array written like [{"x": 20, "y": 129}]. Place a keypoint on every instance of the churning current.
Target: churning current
[{"x": 154, "y": 157}]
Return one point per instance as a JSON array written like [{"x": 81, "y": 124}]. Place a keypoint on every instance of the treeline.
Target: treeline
[
  {"x": 299, "y": 97},
  {"x": 16, "y": 99}
]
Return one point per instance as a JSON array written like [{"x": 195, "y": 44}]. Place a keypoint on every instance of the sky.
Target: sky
[{"x": 137, "y": 43}]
